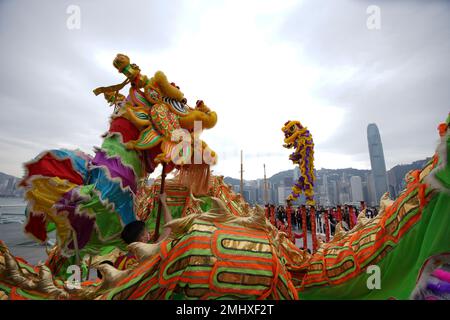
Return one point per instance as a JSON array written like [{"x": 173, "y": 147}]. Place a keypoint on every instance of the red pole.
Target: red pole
[
  {"x": 272, "y": 215},
  {"x": 266, "y": 210},
  {"x": 351, "y": 213},
  {"x": 288, "y": 214},
  {"x": 305, "y": 228},
  {"x": 339, "y": 214},
  {"x": 312, "y": 217},
  {"x": 327, "y": 225}
]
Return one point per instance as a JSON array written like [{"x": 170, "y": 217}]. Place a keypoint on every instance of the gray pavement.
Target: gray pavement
[{"x": 21, "y": 245}]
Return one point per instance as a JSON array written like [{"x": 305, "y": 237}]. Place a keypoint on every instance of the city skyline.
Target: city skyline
[{"x": 333, "y": 186}]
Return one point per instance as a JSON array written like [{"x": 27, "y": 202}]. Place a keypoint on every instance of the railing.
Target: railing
[{"x": 12, "y": 213}]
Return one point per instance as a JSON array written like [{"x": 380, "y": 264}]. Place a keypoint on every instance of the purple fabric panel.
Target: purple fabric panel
[
  {"x": 82, "y": 224},
  {"x": 116, "y": 169}
]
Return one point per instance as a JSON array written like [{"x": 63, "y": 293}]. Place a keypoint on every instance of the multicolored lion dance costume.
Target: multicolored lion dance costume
[
  {"x": 299, "y": 138},
  {"x": 220, "y": 248}
]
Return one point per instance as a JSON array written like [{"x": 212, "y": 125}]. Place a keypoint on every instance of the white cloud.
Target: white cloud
[{"x": 257, "y": 63}]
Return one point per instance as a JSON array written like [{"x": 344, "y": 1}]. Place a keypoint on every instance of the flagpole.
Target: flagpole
[{"x": 161, "y": 191}]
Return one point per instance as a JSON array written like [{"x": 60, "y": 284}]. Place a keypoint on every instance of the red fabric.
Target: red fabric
[
  {"x": 169, "y": 167},
  {"x": 442, "y": 129},
  {"x": 149, "y": 157},
  {"x": 339, "y": 214},
  {"x": 305, "y": 228},
  {"x": 36, "y": 226},
  {"x": 50, "y": 166},
  {"x": 353, "y": 218},
  {"x": 272, "y": 215},
  {"x": 312, "y": 217},
  {"x": 289, "y": 217},
  {"x": 13, "y": 295},
  {"x": 334, "y": 214},
  {"x": 124, "y": 127},
  {"x": 125, "y": 261}
]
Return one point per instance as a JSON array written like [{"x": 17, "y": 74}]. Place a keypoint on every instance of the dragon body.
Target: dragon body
[{"x": 221, "y": 248}]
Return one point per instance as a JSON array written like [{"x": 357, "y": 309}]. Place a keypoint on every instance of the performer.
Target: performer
[
  {"x": 136, "y": 231},
  {"x": 299, "y": 217}
]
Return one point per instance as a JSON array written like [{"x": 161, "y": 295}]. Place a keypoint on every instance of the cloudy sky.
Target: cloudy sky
[{"x": 257, "y": 63}]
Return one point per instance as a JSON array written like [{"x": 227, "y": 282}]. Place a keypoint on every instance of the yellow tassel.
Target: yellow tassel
[{"x": 196, "y": 177}]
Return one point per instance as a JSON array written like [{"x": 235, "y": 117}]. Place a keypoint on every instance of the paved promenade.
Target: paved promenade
[{"x": 21, "y": 245}]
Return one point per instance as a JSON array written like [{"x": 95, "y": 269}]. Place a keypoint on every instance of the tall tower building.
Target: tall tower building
[
  {"x": 377, "y": 161},
  {"x": 370, "y": 189},
  {"x": 356, "y": 187}
]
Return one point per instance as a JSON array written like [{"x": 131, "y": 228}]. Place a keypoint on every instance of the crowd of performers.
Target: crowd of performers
[{"x": 320, "y": 222}]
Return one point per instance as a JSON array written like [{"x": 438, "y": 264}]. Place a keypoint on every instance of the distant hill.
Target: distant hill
[
  {"x": 231, "y": 181},
  {"x": 402, "y": 169},
  {"x": 8, "y": 186}
]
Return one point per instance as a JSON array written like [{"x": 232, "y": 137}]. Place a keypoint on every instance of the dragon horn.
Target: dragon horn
[
  {"x": 111, "y": 275},
  {"x": 143, "y": 250},
  {"x": 14, "y": 274},
  {"x": 113, "y": 88},
  {"x": 46, "y": 285}
]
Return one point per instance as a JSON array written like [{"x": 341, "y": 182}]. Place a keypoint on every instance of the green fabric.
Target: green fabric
[
  {"x": 400, "y": 267},
  {"x": 106, "y": 234},
  {"x": 176, "y": 212},
  {"x": 51, "y": 227},
  {"x": 5, "y": 288},
  {"x": 114, "y": 147},
  {"x": 64, "y": 275},
  {"x": 108, "y": 222},
  {"x": 99, "y": 247},
  {"x": 444, "y": 175},
  {"x": 206, "y": 204}
]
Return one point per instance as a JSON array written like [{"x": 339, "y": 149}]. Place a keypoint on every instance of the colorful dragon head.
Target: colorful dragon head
[{"x": 167, "y": 126}]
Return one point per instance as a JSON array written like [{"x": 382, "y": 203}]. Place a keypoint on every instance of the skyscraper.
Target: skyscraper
[
  {"x": 377, "y": 161},
  {"x": 370, "y": 189},
  {"x": 356, "y": 187}
]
